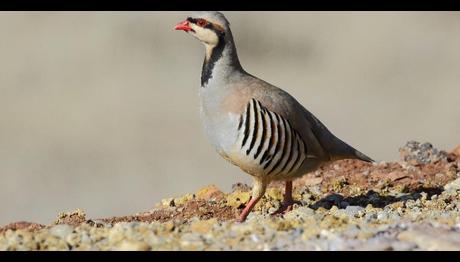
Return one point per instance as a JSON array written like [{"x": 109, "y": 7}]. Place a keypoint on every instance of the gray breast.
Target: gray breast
[{"x": 220, "y": 127}]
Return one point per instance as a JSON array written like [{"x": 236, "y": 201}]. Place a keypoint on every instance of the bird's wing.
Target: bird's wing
[
  {"x": 321, "y": 142},
  {"x": 284, "y": 106}
]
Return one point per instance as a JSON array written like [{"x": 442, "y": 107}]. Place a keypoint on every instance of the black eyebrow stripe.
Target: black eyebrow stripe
[{"x": 192, "y": 20}]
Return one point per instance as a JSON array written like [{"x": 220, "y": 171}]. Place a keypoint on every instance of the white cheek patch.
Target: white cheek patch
[{"x": 205, "y": 35}]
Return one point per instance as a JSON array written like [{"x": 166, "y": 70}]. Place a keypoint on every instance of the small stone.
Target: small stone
[
  {"x": 403, "y": 245},
  {"x": 303, "y": 213},
  {"x": 204, "y": 226},
  {"x": 368, "y": 218},
  {"x": 432, "y": 238},
  {"x": 376, "y": 244},
  {"x": 133, "y": 246},
  {"x": 311, "y": 181},
  {"x": 382, "y": 215},
  {"x": 192, "y": 241},
  {"x": 453, "y": 185},
  {"x": 168, "y": 202},
  {"x": 394, "y": 176},
  {"x": 353, "y": 211},
  {"x": 61, "y": 231},
  {"x": 210, "y": 192},
  {"x": 183, "y": 199}
]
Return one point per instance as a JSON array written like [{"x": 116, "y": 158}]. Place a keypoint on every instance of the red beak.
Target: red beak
[{"x": 184, "y": 25}]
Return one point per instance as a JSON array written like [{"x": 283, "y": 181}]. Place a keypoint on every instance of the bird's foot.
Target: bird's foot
[{"x": 287, "y": 206}]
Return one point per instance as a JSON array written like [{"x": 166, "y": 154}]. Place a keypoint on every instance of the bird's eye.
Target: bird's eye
[{"x": 202, "y": 22}]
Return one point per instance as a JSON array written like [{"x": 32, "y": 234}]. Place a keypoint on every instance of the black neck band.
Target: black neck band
[{"x": 208, "y": 65}]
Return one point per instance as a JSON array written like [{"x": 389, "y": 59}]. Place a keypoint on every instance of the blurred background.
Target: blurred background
[{"x": 100, "y": 110}]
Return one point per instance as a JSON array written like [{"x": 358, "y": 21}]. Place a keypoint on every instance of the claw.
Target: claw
[{"x": 288, "y": 201}]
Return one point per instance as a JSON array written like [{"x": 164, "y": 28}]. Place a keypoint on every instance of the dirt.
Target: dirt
[{"x": 193, "y": 208}]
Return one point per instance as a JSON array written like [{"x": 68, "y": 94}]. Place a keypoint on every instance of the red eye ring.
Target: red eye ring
[{"x": 202, "y": 22}]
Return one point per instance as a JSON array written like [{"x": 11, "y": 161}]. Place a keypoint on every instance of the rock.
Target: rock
[
  {"x": 274, "y": 193},
  {"x": 204, "y": 226},
  {"x": 303, "y": 213},
  {"x": 453, "y": 186},
  {"x": 238, "y": 199},
  {"x": 382, "y": 215},
  {"x": 128, "y": 245},
  {"x": 61, "y": 231},
  {"x": 456, "y": 151},
  {"x": 432, "y": 238},
  {"x": 183, "y": 199},
  {"x": 397, "y": 175},
  {"x": 311, "y": 181},
  {"x": 416, "y": 153},
  {"x": 403, "y": 246},
  {"x": 192, "y": 241},
  {"x": 71, "y": 218},
  {"x": 210, "y": 192},
  {"x": 376, "y": 244},
  {"x": 353, "y": 211}
]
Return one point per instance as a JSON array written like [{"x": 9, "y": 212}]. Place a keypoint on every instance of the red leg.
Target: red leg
[
  {"x": 258, "y": 191},
  {"x": 288, "y": 201},
  {"x": 288, "y": 194},
  {"x": 248, "y": 209}
]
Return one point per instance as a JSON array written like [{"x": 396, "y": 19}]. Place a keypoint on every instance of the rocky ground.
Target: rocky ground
[{"x": 413, "y": 204}]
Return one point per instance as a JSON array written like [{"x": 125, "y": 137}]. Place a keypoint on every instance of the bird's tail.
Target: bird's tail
[
  {"x": 363, "y": 157},
  {"x": 348, "y": 152},
  {"x": 336, "y": 148}
]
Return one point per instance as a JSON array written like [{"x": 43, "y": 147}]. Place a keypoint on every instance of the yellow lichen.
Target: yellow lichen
[{"x": 238, "y": 199}]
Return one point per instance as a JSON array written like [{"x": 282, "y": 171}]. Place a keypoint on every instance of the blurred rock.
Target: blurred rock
[
  {"x": 416, "y": 153},
  {"x": 210, "y": 192}
]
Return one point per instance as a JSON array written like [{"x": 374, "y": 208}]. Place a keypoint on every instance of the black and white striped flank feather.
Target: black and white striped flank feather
[{"x": 270, "y": 140}]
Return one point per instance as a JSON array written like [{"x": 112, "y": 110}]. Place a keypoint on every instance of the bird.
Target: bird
[{"x": 253, "y": 124}]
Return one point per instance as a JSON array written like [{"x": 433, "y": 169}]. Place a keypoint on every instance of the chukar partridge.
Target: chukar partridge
[{"x": 253, "y": 124}]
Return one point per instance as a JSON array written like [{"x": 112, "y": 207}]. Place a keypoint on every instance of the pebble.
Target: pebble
[
  {"x": 453, "y": 186},
  {"x": 61, "y": 231},
  {"x": 353, "y": 211}
]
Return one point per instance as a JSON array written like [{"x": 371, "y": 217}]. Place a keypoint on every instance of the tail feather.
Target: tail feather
[
  {"x": 336, "y": 148},
  {"x": 341, "y": 150},
  {"x": 363, "y": 157}
]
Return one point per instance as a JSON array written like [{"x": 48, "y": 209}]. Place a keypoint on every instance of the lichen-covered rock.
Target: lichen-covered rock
[{"x": 417, "y": 153}]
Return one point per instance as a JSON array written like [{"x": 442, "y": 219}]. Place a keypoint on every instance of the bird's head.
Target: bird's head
[{"x": 208, "y": 27}]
